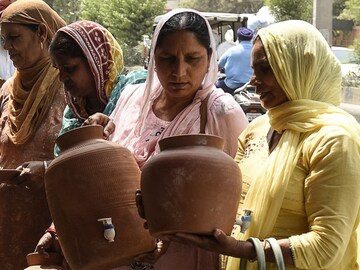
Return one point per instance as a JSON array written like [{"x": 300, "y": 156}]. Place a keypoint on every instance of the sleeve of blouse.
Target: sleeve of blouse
[
  {"x": 227, "y": 120},
  {"x": 332, "y": 201},
  {"x": 241, "y": 145},
  {"x": 222, "y": 60}
]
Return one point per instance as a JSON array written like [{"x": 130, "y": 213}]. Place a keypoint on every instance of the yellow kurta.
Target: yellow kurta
[{"x": 320, "y": 210}]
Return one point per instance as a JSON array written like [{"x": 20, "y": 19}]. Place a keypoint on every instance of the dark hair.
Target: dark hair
[
  {"x": 188, "y": 21},
  {"x": 64, "y": 45}
]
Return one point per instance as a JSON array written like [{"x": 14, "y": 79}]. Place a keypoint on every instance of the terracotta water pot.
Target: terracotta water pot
[
  {"x": 40, "y": 261},
  {"x": 190, "y": 186},
  {"x": 91, "y": 194}
]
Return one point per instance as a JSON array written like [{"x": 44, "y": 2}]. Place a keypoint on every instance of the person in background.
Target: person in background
[
  {"x": 90, "y": 62},
  {"x": 32, "y": 102},
  {"x": 182, "y": 73},
  {"x": 225, "y": 45},
  {"x": 306, "y": 194},
  {"x": 236, "y": 62},
  {"x": 7, "y": 68}
]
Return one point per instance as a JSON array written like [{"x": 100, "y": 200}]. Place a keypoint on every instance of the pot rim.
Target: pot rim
[
  {"x": 192, "y": 140},
  {"x": 78, "y": 135}
]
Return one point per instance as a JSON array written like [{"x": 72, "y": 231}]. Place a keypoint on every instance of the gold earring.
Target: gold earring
[{"x": 41, "y": 45}]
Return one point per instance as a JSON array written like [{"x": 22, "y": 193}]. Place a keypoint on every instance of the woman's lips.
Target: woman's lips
[
  {"x": 176, "y": 85},
  {"x": 264, "y": 95},
  {"x": 12, "y": 56}
]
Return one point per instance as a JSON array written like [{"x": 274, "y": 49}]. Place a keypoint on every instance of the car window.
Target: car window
[{"x": 345, "y": 55}]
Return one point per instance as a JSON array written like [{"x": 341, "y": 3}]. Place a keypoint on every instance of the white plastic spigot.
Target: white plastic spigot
[
  {"x": 109, "y": 229},
  {"x": 245, "y": 220}
]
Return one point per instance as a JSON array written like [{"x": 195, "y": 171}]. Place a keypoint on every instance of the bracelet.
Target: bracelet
[
  {"x": 260, "y": 254},
  {"x": 274, "y": 245},
  {"x": 52, "y": 231},
  {"x": 45, "y": 165}
]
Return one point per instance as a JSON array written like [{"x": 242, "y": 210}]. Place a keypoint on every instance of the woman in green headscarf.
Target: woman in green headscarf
[
  {"x": 90, "y": 62},
  {"x": 306, "y": 193}
]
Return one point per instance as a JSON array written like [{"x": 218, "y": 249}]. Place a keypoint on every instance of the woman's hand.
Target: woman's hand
[
  {"x": 140, "y": 207},
  {"x": 152, "y": 257},
  {"x": 48, "y": 243},
  {"x": 31, "y": 176},
  {"x": 219, "y": 242},
  {"x": 103, "y": 120},
  {"x": 161, "y": 245}
]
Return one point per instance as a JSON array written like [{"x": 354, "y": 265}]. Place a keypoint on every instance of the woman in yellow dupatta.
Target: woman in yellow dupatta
[
  {"x": 32, "y": 102},
  {"x": 306, "y": 193}
]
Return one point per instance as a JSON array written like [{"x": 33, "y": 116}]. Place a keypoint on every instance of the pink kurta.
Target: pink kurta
[
  {"x": 225, "y": 119},
  {"x": 138, "y": 129}
]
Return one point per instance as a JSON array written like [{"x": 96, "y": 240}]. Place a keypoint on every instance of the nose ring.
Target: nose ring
[{"x": 258, "y": 82}]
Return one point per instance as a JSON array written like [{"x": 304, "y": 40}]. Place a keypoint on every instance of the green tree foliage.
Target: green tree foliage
[
  {"x": 69, "y": 10},
  {"x": 232, "y": 6},
  {"x": 131, "y": 19},
  {"x": 291, "y": 9},
  {"x": 351, "y": 11},
  {"x": 205, "y": 5},
  {"x": 338, "y": 7},
  {"x": 90, "y": 10},
  {"x": 127, "y": 20},
  {"x": 357, "y": 50}
]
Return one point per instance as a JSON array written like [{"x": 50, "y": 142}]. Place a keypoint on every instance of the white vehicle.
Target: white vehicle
[
  {"x": 221, "y": 22},
  {"x": 347, "y": 59}
]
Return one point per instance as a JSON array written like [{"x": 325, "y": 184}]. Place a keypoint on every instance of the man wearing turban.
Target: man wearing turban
[{"x": 236, "y": 62}]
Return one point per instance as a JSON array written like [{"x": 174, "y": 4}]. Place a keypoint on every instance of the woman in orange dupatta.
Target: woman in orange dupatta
[{"x": 32, "y": 103}]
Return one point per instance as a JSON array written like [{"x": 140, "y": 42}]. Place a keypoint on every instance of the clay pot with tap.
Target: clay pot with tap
[{"x": 91, "y": 194}]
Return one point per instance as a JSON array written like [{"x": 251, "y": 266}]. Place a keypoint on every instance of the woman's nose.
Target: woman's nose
[
  {"x": 252, "y": 79},
  {"x": 5, "y": 43},
  {"x": 255, "y": 81},
  {"x": 179, "y": 69}
]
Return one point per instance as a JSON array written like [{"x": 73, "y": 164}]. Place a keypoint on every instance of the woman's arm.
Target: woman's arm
[
  {"x": 227, "y": 120},
  {"x": 332, "y": 200},
  {"x": 227, "y": 245}
]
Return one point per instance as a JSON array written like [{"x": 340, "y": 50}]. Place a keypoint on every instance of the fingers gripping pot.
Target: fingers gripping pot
[
  {"x": 37, "y": 261},
  {"x": 90, "y": 189},
  {"x": 190, "y": 186}
]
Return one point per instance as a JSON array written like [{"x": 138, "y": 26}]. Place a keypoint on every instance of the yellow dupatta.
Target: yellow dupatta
[{"x": 310, "y": 75}]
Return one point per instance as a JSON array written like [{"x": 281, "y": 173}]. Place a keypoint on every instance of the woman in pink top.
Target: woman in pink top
[{"x": 182, "y": 72}]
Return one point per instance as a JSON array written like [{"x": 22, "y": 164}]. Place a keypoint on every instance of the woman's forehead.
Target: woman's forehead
[
  {"x": 258, "y": 52},
  {"x": 185, "y": 40}
]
